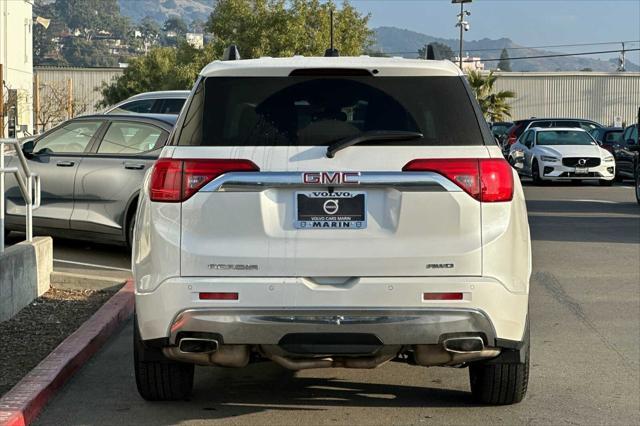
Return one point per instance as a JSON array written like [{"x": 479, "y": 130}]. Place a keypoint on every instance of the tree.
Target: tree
[
  {"x": 92, "y": 16},
  {"x": 505, "y": 63},
  {"x": 197, "y": 26},
  {"x": 285, "y": 28},
  {"x": 494, "y": 106},
  {"x": 53, "y": 106},
  {"x": 441, "y": 50},
  {"x": 176, "y": 24},
  {"x": 87, "y": 53},
  {"x": 163, "y": 68},
  {"x": 259, "y": 27},
  {"x": 45, "y": 48}
]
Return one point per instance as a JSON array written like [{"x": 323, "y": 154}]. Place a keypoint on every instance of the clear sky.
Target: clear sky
[{"x": 527, "y": 22}]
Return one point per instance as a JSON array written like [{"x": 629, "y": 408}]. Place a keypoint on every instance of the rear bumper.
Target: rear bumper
[
  {"x": 390, "y": 308},
  {"x": 391, "y": 326}
]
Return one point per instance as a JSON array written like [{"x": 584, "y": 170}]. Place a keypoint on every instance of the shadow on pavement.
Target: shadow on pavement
[
  {"x": 266, "y": 386},
  {"x": 568, "y": 206},
  {"x": 585, "y": 229}
]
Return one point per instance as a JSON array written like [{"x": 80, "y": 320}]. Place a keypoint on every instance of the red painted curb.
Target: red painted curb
[{"x": 22, "y": 404}]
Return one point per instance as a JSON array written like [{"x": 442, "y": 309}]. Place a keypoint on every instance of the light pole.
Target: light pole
[{"x": 464, "y": 25}]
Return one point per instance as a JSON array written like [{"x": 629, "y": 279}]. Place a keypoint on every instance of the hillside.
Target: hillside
[
  {"x": 160, "y": 10},
  {"x": 401, "y": 42}
]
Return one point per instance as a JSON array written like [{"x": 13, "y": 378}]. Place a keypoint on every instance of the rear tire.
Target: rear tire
[
  {"x": 638, "y": 186},
  {"x": 500, "y": 383},
  {"x": 158, "y": 378},
  {"x": 131, "y": 224}
]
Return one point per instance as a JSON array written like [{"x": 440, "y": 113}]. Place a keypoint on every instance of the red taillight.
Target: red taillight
[
  {"x": 496, "y": 177},
  {"x": 218, "y": 296},
  {"x": 486, "y": 179},
  {"x": 177, "y": 180},
  {"x": 442, "y": 296},
  {"x": 512, "y": 139},
  {"x": 166, "y": 180}
]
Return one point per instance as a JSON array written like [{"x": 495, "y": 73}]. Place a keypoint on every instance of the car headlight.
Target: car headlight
[
  {"x": 608, "y": 159},
  {"x": 549, "y": 159}
]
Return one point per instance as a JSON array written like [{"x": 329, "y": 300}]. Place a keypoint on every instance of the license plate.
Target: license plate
[
  {"x": 582, "y": 170},
  {"x": 331, "y": 210}
]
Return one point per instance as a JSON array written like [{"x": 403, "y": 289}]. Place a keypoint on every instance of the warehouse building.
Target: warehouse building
[
  {"x": 16, "y": 60},
  {"x": 597, "y": 96}
]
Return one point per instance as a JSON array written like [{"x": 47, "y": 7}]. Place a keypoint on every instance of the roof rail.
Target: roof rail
[{"x": 231, "y": 53}]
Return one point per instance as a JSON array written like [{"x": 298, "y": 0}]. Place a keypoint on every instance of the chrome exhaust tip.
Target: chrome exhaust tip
[
  {"x": 192, "y": 345},
  {"x": 464, "y": 345}
]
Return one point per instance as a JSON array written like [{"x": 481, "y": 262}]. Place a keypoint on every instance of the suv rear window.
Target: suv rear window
[{"x": 313, "y": 110}]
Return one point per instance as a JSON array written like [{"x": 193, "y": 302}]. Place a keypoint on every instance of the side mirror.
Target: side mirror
[{"x": 27, "y": 148}]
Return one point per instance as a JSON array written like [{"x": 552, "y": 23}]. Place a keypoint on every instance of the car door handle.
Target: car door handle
[
  {"x": 133, "y": 166},
  {"x": 65, "y": 163}
]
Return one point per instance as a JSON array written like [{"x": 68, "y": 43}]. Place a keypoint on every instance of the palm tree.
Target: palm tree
[{"x": 494, "y": 105}]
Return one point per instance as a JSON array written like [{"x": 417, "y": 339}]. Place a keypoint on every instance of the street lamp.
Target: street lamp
[{"x": 464, "y": 25}]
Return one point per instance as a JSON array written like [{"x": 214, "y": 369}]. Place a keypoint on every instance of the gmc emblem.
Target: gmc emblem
[{"x": 331, "y": 178}]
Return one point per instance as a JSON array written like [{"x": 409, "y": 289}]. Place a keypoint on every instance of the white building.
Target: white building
[
  {"x": 196, "y": 40},
  {"x": 16, "y": 56},
  {"x": 470, "y": 63}
]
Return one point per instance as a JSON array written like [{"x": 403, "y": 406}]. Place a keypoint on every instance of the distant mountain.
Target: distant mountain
[
  {"x": 160, "y": 10},
  {"x": 400, "y": 42}
]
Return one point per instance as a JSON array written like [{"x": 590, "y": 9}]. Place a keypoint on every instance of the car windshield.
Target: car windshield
[
  {"x": 314, "y": 110},
  {"x": 613, "y": 137},
  {"x": 564, "y": 137}
]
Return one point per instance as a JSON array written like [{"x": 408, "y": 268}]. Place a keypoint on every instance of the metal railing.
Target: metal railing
[{"x": 28, "y": 182}]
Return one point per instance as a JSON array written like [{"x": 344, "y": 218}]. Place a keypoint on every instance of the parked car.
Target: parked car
[
  {"x": 627, "y": 153},
  {"x": 520, "y": 126},
  {"x": 638, "y": 182},
  {"x": 608, "y": 136},
  {"x": 499, "y": 130},
  {"x": 91, "y": 171},
  {"x": 304, "y": 214},
  {"x": 562, "y": 154},
  {"x": 165, "y": 102}
]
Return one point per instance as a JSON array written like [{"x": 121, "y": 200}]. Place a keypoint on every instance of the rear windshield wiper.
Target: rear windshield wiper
[{"x": 372, "y": 136}]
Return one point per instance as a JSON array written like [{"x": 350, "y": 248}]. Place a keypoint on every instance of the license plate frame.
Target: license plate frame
[{"x": 319, "y": 206}]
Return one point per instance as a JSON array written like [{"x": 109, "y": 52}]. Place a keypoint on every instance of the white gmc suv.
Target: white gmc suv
[{"x": 332, "y": 212}]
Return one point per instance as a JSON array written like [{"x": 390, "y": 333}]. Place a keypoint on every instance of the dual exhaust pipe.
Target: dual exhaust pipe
[{"x": 451, "y": 352}]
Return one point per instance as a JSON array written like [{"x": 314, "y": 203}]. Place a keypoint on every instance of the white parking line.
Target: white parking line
[{"x": 93, "y": 265}]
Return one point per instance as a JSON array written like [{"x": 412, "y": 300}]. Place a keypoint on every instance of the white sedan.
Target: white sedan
[{"x": 562, "y": 154}]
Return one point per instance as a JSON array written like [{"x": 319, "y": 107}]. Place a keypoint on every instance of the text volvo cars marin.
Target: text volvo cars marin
[{"x": 332, "y": 212}]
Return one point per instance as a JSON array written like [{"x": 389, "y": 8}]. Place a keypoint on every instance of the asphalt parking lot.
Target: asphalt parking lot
[{"x": 585, "y": 312}]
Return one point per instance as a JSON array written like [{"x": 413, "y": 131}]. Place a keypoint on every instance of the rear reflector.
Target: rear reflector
[
  {"x": 218, "y": 296},
  {"x": 487, "y": 179},
  {"x": 175, "y": 181},
  {"x": 442, "y": 296}
]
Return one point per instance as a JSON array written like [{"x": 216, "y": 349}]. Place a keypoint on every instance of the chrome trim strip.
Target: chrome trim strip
[
  {"x": 260, "y": 181},
  {"x": 391, "y": 325}
]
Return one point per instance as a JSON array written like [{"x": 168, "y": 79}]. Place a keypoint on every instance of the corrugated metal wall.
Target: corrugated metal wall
[
  {"x": 86, "y": 82},
  {"x": 590, "y": 95}
]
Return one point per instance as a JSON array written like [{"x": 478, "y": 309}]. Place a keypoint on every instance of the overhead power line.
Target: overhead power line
[
  {"x": 534, "y": 47},
  {"x": 561, "y": 55},
  {"x": 556, "y": 45}
]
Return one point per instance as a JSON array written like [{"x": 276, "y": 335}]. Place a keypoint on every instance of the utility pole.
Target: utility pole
[
  {"x": 36, "y": 102},
  {"x": 622, "y": 66},
  {"x": 464, "y": 25}
]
